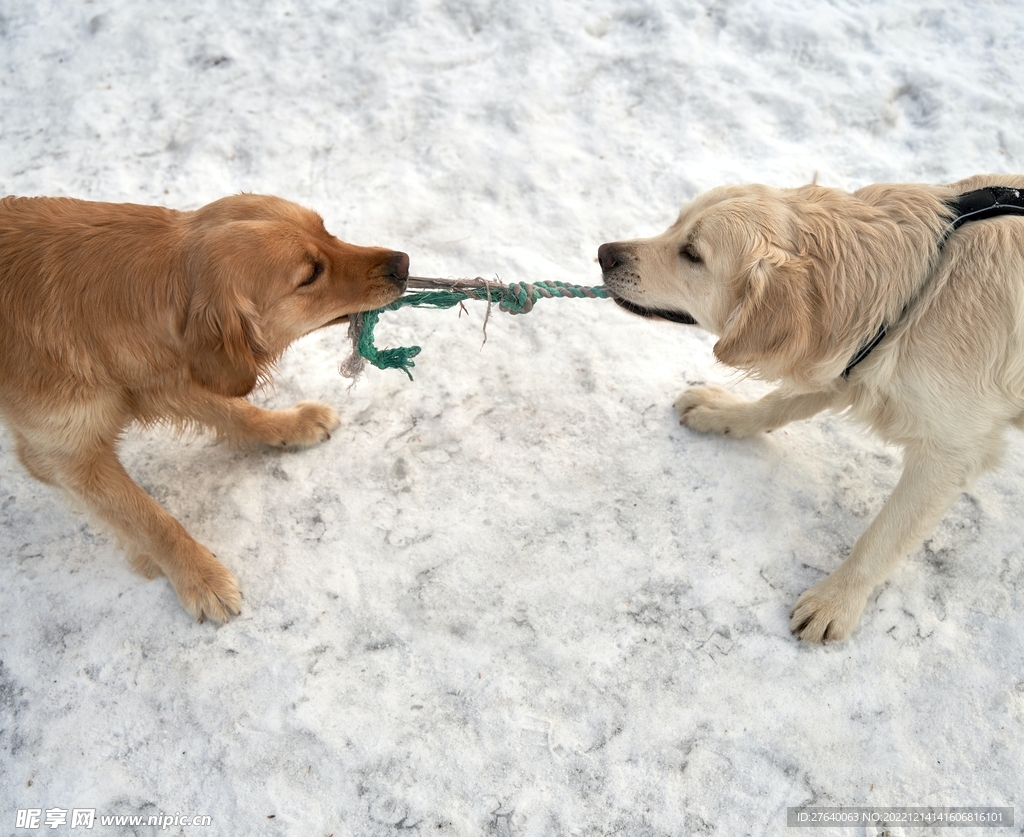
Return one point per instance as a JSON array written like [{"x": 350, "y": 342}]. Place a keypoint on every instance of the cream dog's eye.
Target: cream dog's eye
[
  {"x": 315, "y": 274},
  {"x": 691, "y": 255}
]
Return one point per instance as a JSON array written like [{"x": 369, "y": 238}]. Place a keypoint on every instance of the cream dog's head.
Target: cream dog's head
[
  {"x": 792, "y": 281},
  {"x": 731, "y": 264}
]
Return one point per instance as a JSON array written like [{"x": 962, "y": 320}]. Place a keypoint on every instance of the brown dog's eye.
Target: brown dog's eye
[
  {"x": 317, "y": 270},
  {"x": 690, "y": 254}
]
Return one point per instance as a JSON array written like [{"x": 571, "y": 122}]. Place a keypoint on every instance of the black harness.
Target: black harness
[{"x": 971, "y": 206}]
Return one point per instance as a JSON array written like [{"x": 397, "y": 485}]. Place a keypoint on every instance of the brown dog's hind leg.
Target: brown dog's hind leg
[{"x": 94, "y": 474}]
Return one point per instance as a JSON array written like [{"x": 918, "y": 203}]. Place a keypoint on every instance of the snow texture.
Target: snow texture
[{"x": 514, "y": 596}]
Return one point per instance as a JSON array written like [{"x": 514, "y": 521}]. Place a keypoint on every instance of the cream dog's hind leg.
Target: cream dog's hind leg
[
  {"x": 935, "y": 473},
  {"x": 928, "y": 486}
]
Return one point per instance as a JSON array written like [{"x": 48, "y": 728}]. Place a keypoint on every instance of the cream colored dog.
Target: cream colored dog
[{"x": 867, "y": 302}]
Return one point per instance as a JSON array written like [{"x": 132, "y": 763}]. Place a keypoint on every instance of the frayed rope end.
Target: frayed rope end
[
  {"x": 360, "y": 330},
  {"x": 517, "y": 298}
]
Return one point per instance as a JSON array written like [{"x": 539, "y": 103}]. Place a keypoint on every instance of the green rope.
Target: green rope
[{"x": 517, "y": 298}]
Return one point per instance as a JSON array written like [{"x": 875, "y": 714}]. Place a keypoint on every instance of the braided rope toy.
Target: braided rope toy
[{"x": 516, "y": 298}]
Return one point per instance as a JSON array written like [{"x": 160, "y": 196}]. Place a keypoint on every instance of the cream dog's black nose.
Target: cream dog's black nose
[{"x": 609, "y": 255}]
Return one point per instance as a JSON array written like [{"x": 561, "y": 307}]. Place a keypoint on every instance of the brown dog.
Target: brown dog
[
  {"x": 114, "y": 313},
  {"x": 871, "y": 302}
]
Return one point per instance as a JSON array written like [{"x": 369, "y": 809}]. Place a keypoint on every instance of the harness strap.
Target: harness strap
[
  {"x": 865, "y": 350},
  {"x": 970, "y": 206},
  {"x": 985, "y": 203}
]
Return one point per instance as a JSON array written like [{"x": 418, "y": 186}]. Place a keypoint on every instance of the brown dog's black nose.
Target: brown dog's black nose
[
  {"x": 609, "y": 255},
  {"x": 398, "y": 268}
]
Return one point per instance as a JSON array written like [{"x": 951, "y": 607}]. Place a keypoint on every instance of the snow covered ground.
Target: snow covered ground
[{"x": 512, "y": 597}]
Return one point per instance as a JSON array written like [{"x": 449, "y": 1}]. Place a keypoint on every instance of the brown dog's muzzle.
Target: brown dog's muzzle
[{"x": 398, "y": 269}]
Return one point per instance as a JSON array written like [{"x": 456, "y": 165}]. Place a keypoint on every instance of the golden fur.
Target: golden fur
[
  {"x": 114, "y": 313},
  {"x": 794, "y": 281}
]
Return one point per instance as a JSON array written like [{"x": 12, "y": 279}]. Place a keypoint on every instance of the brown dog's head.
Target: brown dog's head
[
  {"x": 784, "y": 278},
  {"x": 264, "y": 272}
]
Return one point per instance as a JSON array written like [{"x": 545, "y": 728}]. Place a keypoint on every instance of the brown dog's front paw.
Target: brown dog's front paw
[
  {"x": 307, "y": 423},
  {"x": 827, "y": 612},
  {"x": 208, "y": 589}
]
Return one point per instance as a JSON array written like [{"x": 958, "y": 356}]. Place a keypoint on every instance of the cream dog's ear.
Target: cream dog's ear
[{"x": 777, "y": 325}]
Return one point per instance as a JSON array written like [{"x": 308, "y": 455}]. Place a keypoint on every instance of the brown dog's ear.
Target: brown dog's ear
[
  {"x": 223, "y": 340},
  {"x": 774, "y": 329}
]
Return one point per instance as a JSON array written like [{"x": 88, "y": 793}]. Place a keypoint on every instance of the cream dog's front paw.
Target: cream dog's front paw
[
  {"x": 712, "y": 409},
  {"x": 829, "y": 610}
]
